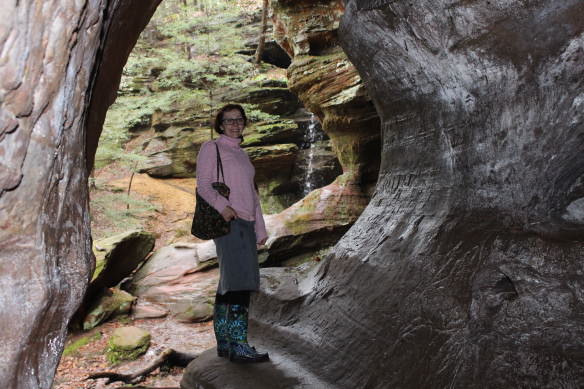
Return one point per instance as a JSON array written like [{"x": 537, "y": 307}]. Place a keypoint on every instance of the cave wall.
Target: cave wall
[
  {"x": 465, "y": 270},
  {"x": 329, "y": 85},
  {"x": 51, "y": 76}
]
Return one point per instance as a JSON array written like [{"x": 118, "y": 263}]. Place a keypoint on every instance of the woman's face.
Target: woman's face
[{"x": 232, "y": 123}]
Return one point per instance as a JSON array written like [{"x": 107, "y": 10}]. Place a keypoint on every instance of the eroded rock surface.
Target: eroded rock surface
[
  {"x": 52, "y": 55},
  {"x": 463, "y": 271},
  {"x": 328, "y": 84},
  {"x": 176, "y": 281},
  {"x": 330, "y": 87}
]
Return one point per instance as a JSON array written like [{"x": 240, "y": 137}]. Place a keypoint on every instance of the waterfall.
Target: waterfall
[{"x": 311, "y": 136}]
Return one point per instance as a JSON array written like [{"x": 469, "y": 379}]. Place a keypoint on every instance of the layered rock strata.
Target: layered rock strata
[
  {"x": 330, "y": 87},
  {"x": 328, "y": 84},
  {"x": 51, "y": 76}
]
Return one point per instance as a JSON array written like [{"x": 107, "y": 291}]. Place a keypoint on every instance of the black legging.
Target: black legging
[{"x": 240, "y": 297}]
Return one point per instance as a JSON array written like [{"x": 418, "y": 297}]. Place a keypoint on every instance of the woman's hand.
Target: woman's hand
[
  {"x": 229, "y": 213},
  {"x": 262, "y": 242}
]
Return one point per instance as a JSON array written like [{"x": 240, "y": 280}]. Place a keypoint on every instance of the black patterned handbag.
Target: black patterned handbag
[{"x": 207, "y": 221}]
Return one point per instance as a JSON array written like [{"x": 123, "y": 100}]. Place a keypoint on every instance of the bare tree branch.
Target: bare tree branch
[{"x": 169, "y": 356}]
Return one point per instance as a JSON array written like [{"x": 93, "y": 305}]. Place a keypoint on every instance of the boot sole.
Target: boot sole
[{"x": 248, "y": 360}]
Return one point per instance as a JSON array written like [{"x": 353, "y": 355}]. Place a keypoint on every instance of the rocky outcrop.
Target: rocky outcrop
[
  {"x": 53, "y": 75},
  {"x": 328, "y": 84},
  {"x": 170, "y": 125},
  {"x": 127, "y": 344},
  {"x": 330, "y": 87},
  {"x": 176, "y": 281},
  {"x": 116, "y": 258},
  {"x": 463, "y": 271}
]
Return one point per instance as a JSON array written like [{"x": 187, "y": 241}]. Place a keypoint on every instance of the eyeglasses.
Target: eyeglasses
[{"x": 233, "y": 121}]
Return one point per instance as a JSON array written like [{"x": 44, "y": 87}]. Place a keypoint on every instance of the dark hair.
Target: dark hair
[{"x": 228, "y": 107}]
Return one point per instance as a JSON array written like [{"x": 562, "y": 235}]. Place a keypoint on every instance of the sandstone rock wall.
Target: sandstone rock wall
[
  {"x": 465, "y": 269},
  {"x": 328, "y": 84},
  {"x": 52, "y": 53}
]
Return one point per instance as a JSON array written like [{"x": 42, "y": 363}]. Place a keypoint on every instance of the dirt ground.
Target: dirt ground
[
  {"x": 76, "y": 367},
  {"x": 175, "y": 200}
]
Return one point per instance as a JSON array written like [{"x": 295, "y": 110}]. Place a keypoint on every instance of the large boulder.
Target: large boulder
[
  {"x": 61, "y": 66},
  {"x": 176, "y": 280},
  {"x": 463, "y": 270},
  {"x": 127, "y": 344},
  {"x": 116, "y": 257}
]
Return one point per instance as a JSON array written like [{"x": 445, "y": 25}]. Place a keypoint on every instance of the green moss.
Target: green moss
[
  {"x": 113, "y": 302},
  {"x": 273, "y": 202},
  {"x": 124, "y": 319},
  {"x": 83, "y": 341},
  {"x": 276, "y": 131},
  {"x": 271, "y": 150},
  {"x": 121, "y": 349},
  {"x": 115, "y": 356}
]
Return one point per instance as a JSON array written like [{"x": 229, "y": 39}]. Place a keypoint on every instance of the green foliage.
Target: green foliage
[
  {"x": 72, "y": 348},
  {"x": 257, "y": 115}
]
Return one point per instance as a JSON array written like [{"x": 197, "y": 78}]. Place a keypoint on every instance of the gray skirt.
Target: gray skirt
[{"x": 238, "y": 258}]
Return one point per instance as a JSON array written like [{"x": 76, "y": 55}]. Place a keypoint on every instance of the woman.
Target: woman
[{"x": 237, "y": 251}]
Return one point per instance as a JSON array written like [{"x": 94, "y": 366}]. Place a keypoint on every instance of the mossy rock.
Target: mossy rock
[
  {"x": 174, "y": 152},
  {"x": 127, "y": 344},
  {"x": 272, "y": 132},
  {"x": 122, "y": 252},
  {"x": 114, "y": 302}
]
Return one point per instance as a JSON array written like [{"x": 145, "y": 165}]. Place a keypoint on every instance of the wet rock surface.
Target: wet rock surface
[
  {"x": 464, "y": 270},
  {"x": 51, "y": 56},
  {"x": 461, "y": 271}
]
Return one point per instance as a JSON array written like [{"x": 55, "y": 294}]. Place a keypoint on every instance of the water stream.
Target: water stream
[{"x": 311, "y": 136}]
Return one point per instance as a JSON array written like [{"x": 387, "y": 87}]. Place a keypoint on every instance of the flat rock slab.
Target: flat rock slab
[{"x": 209, "y": 371}]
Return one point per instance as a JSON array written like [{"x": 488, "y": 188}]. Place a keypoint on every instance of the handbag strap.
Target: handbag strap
[{"x": 219, "y": 164}]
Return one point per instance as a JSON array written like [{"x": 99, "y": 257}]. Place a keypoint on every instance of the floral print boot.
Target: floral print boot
[{"x": 239, "y": 350}]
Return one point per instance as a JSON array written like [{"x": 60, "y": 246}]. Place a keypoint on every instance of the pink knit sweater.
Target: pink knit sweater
[{"x": 239, "y": 177}]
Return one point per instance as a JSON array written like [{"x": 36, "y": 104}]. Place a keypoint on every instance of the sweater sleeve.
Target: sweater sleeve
[
  {"x": 206, "y": 175},
  {"x": 260, "y": 224}
]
